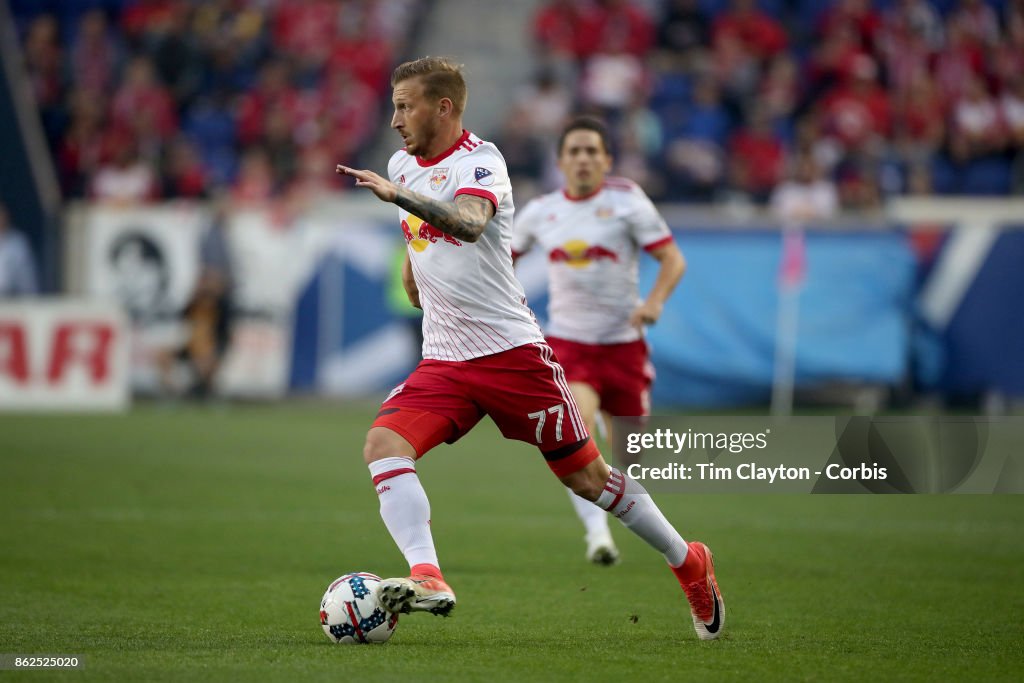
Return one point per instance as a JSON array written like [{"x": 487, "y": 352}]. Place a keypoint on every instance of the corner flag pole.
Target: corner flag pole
[{"x": 791, "y": 276}]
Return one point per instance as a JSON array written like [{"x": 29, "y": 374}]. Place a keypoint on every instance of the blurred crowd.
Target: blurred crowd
[
  {"x": 156, "y": 99},
  {"x": 844, "y": 101},
  {"x": 832, "y": 104}
]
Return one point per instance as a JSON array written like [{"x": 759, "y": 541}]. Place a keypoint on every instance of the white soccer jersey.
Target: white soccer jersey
[
  {"x": 473, "y": 305},
  {"x": 593, "y": 245}
]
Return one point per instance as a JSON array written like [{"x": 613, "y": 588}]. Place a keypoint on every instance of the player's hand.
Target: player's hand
[
  {"x": 383, "y": 188},
  {"x": 646, "y": 313}
]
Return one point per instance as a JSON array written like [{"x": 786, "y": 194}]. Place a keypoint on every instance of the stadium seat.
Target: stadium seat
[
  {"x": 988, "y": 176},
  {"x": 209, "y": 126},
  {"x": 944, "y": 175}
]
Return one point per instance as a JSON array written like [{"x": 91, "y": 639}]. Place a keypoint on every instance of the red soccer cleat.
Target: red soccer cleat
[
  {"x": 706, "y": 602},
  {"x": 417, "y": 593}
]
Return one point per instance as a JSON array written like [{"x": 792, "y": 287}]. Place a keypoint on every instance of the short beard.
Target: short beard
[{"x": 427, "y": 135}]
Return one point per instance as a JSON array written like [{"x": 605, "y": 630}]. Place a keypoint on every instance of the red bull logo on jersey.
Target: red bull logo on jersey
[
  {"x": 579, "y": 254},
  {"x": 438, "y": 177},
  {"x": 419, "y": 234}
]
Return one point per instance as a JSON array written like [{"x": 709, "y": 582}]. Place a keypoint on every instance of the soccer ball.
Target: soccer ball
[{"x": 350, "y": 613}]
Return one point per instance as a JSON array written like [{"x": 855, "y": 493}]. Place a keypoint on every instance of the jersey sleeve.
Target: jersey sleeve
[
  {"x": 393, "y": 164},
  {"x": 483, "y": 174},
  {"x": 523, "y": 235},
  {"x": 647, "y": 226}
]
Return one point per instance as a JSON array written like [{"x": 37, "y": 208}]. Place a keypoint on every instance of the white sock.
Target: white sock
[
  {"x": 595, "y": 520},
  {"x": 632, "y": 505},
  {"x": 405, "y": 509}
]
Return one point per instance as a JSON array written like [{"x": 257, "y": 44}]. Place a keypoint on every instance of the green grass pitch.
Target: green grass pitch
[{"x": 190, "y": 544}]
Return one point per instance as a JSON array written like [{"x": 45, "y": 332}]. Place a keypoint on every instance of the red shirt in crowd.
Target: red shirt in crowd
[{"x": 761, "y": 34}]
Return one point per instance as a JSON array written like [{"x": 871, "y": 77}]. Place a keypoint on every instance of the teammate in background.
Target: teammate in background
[
  {"x": 483, "y": 352},
  {"x": 592, "y": 232}
]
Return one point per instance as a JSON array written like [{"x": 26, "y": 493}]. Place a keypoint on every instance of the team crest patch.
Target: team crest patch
[
  {"x": 484, "y": 176},
  {"x": 401, "y": 180},
  {"x": 605, "y": 212},
  {"x": 438, "y": 177}
]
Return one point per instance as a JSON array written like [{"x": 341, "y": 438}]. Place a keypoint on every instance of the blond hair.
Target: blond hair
[{"x": 441, "y": 77}]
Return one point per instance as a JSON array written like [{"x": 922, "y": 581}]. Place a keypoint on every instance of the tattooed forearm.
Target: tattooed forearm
[{"x": 463, "y": 219}]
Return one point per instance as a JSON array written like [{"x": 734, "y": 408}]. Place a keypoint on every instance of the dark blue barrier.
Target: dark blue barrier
[{"x": 981, "y": 348}]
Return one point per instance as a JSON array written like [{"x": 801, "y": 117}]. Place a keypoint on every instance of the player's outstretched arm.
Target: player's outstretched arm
[
  {"x": 671, "y": 269},
  {"x": 382, "y": 187},
  {"x": 463, "y": 219}
]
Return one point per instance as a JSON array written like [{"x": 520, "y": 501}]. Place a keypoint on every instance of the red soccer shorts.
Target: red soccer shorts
[
  {"x": 523, "y": 390},
  {"x": 621, "y": 374}
]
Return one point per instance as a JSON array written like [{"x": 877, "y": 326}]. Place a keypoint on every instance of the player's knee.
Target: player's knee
[
  {"x": 587, "y": 483},
  {"x": 383, "y": 443},
  {"x": 372, "y": 448}
]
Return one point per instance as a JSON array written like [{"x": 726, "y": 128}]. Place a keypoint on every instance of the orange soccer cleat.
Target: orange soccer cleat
[
  {"x": 417, "y": 593},
  {"x": 706, "y": 602}
]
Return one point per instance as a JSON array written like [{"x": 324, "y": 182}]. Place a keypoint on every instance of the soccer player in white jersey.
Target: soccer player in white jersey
[
  {"x": 592, "y": 232},
  {"x": 483, "y": 353}
]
